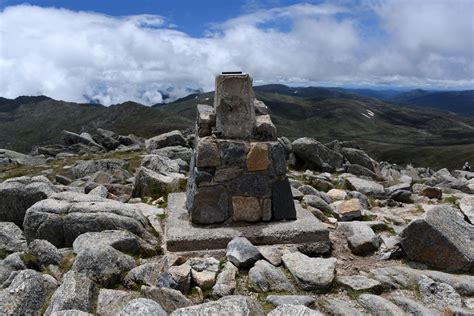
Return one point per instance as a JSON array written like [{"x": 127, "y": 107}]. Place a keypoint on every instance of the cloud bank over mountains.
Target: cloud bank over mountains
[{"x": 85, "y": 56}]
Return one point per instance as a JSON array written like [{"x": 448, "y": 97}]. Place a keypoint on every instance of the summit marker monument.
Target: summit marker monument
[{"x": 238, "y": 169}]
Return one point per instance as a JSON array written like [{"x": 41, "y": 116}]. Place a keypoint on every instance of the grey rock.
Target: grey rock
[
  {"x": 111, "y": 302},
  {"x": 437, "y": 294},
  {"x": 316, "y": 155},
  {"x": 412, "y": 307},
  {"x": 290, "y": 309},
  {"x": 18, "y": 194},
  {"x": 264, "y": 128},
  {"x": 106, "y": 138},
  {"x": 65, "y": 216},
  {"x": 403, "y": 196},
  {"x": 308, "y": 190},
  {"x": 265, "y": 277},
  {"x": 466, "y": 204},
  {"x": 310, "y": 273},
  {"x": 63, "y": 179},
  {"x": 173, "y": 138},
  {"x": 317, "y": 202},
  {"x": 242, "y": 253},
  {"x": 360, "y": 171},
  {"x": 70, "y": 312},
  {"x": 378, "y": 305},
  {"x": 315, "y": 248},
  {"x": 260, "y": 107},
  {"x": 278, "y": 300},
  {"x": 367, "y": 187},
  {"x": 297, "y": 194},
  {"x": 229, "y": 305},
  {"x": 364, "y": 200},
  {"x": 166, "y": 280},
  {"x": 104, "y": 265},
  {"x": 160, "y": 164},
  {"x": 10, "y": 264},
  {"x": 360, "y": 237},
  {"x": 359, "y": 283},
  {"x": 11, "y": 237},
  {"x": 121, "y": 240},
  {"x": 154, "y": 184},
  {"x": 286, "y": 143},
  {"x": 76, "y": 292},
  {"x": 277, "y": 153},
  {"x": 145, "y": 274},
  {"x": 182, "y": 276},
  {"x": 232, "y": 153},
  {"x": 442, "y": 239},
  {"x": 27, "y": 293},
  {"x": 45, "y": 252},
  {"x": 359, "y": 157},
  {"x": 204, "y": 271},
  {"x": 175, "y": 152},
  {"x": 142, "y": 307},
  {"x": 169, "y": 299},
  {"x": 234, "y": 106},
  {"x": 272, "y": 254},
  {"x": 226, "y": 283},
  {"x": 84, "y": 168},
  {"x": 338, "y": 307},
  {"x": 100, "y": 190},
  {"x": 71, "y": 138},
  {"x": 205, "y": 120}
]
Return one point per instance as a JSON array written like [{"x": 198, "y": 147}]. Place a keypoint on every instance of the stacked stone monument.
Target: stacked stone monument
[{"x": 238, "y": 169}]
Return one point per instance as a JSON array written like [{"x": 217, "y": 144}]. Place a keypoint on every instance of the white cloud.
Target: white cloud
[{"x": 80, "y": 56}]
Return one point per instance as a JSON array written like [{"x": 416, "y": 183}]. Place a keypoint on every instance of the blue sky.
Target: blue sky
[{"x": 112, "y": 51}]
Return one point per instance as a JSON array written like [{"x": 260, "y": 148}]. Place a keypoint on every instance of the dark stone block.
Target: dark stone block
[
  {"x": 232, "y": 153},
  {"x": 208, "y": 205},
  {"x": 250, "y": 184},
  {"x": 277, "y": 153},
  {"x": 283, "y": 206}
]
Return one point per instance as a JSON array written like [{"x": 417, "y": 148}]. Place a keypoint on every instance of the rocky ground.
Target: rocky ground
[{"x": 82, "y": 226}]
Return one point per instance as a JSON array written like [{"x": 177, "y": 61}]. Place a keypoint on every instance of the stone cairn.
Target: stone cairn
[{"x": 238, "y": 168}]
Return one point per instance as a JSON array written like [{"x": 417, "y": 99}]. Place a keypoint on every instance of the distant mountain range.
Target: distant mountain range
[{"x": 388, "y": 129}]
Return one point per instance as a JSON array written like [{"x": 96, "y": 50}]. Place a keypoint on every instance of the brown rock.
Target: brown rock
[
  {"x": 251, "y": 209},
  {"x": 431, "y": 192},
  {"x": 257, "y": 158},
  {"x": 349, "y": 210}
]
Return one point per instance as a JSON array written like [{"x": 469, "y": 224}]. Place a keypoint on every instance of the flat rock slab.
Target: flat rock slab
[{"x": 182, "y": 235}]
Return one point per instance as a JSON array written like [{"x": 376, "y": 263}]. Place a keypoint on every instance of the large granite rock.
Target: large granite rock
[
  {"x": 265, "y": 277},
  {"x": 111, "y": 302},
  {"x": 173, "y": 138},
  {"x": 367, "y": 187},
  {"x": 156, "y": 184},
  {"x": 442, "y": 239},
  {"x": 360, "y": 237},
  {"x": 359, "y": 157},
  {"x": 64, "y": 216},
  {"x": 84, "y": 168},
  {"x": 71, "y": 138},
  {"x": 106, "y": 138},
  {"x": 242, "y": 253},
  {"x": 142, "y": 307},
  {"x": 291, "y": 309},
  {"x": 121, "y": 240},
  {"x": 169, "y": 299},
  {"x": 18, "y": 194},
  {"x": 316, "y": 155},
  {"x": 229, "y": 305},
  {"x": 226, "y": 283},
  {"x": 27, "y": 294},
  {"x": 378, "y": 305},
  {"x": 76, "y": 292},
  {"x": 45, "y": 252},
  {"x": 310, "y": 273},
  {"x": 11, "y": 237},
  {"x": 104, "y": 265}
]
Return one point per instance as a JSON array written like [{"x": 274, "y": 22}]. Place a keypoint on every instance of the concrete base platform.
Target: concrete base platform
[{"x": 181, "y": 235}]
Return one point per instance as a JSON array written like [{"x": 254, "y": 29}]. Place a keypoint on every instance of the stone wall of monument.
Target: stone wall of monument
[{"x": 238, "y": 169}]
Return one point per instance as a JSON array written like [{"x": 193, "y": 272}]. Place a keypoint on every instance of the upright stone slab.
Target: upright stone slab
[{"x": 238, "y": 170}]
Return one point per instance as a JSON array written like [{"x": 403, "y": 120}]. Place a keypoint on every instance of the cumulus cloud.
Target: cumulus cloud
[{"x": 85, "y": 56}]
